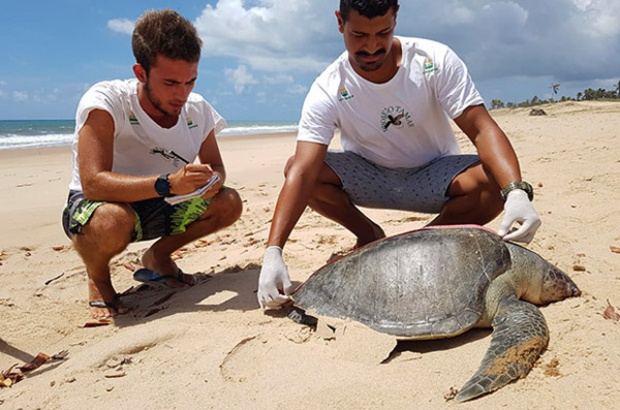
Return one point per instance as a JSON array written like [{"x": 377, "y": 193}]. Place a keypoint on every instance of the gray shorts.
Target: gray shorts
[{"x": 421, "y": 189}]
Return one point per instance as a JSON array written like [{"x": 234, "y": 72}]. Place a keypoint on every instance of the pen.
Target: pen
[{"x": 177, "y": 156}]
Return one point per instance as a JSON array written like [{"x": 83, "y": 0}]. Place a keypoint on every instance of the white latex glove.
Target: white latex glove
[
  {"x": 273, "y": 278},
  {"x": 519, "y": 209}
]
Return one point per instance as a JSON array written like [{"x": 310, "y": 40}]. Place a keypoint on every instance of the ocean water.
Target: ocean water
[{"x": 17, "y": 134}]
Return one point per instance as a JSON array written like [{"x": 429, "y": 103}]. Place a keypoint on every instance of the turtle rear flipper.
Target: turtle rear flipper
[{"x": 520, "y": 334}]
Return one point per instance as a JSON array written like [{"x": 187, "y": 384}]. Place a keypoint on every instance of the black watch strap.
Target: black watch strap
[{"x": 517, "y": 185}]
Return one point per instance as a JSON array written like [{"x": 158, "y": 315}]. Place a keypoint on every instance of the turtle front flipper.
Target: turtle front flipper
[{"x": 520, "y": 334}]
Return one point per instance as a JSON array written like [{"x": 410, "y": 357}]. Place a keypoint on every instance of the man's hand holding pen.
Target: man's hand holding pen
[{"x": 194, "y": 176}]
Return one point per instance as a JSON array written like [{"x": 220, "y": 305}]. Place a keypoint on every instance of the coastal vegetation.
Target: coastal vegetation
[{"x": 588, "y": 94}]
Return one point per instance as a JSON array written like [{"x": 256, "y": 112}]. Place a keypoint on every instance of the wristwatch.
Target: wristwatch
[
  {"x": 162, "y": 185},
  {"x": 517, "y": 185}
]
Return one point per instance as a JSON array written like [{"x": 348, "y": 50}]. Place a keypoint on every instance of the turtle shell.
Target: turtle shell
[{"x": 424, "y": 284}]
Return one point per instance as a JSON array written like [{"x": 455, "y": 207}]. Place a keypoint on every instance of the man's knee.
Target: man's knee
[
  {"x": 289, "y": 164},
  {"x": 229, "y": 206},
  {"x": 111, "y": 227}
]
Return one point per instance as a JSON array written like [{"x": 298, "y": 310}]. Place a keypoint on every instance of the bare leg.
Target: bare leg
[
  {"x": 474, "y": 199},
  {"x": 329, "y": 200},
  {"x": 107, "y": 234},
  {"x": 224, "y": 210}
]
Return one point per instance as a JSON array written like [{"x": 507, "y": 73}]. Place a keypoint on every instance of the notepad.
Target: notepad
[{"x": 176, "y": 199}]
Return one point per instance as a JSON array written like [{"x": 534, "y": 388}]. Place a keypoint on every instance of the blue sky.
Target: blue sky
[{"x": 261, "y": 56}]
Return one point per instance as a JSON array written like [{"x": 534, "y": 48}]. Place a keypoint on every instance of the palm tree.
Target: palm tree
[
  {"x": 618, "y": 90},
  {"x": 588, "y": 94},
  {"x": 555, "y": 87}
]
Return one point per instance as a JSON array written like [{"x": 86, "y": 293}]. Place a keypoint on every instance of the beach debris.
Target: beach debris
[
  {"x": 451, "y": 394},
  {"x": 58, "y": 248},
  {"x": 579, "y": 268},
  {"x": 610, "y": 313},
  {"x": 201, "y": 243},
  {"x": 614, "y": 249},
  {"x": 47, "y": 282},
  {"x": 118, "y": 363},
  {"x": 9, "y": 377},
  {"x": 97, "y": 323},
  {"x": 113, "y": 374},
  {"x": 41, "y": 358}
]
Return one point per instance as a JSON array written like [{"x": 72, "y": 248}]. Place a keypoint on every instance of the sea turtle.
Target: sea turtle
[{"x": 438, "y": 283}]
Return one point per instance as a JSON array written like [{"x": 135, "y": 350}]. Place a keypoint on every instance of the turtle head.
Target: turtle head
[
  {"x": 556, "y": 285},
  {"x": 539, "y": 282}
]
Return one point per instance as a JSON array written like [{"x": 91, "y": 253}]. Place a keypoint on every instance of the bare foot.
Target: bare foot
[
  {"x": 104, "y": 307},
  {"x": 165, "y": 266}
]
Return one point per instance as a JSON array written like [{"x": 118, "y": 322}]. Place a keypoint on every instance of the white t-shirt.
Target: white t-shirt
[
  {"x": 399, "y": 124},
  {"x": 141, "y": 146}
]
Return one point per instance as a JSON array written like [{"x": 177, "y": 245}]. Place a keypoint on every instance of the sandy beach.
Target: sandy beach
[{"x": 211, "y": 347}]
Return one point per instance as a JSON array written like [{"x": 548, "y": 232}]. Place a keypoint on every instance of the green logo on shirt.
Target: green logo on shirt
[
  {"x": 429, "y": 65},
  {"x": 344, "y": 94},
  {"x": 132, "y": 118},
  {"x": 190, "y": 123}
]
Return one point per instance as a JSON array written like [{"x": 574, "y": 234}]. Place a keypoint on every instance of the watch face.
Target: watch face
[{"x": 162, "y": 185}]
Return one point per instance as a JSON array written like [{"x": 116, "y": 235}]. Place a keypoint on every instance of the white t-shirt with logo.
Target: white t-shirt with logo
[
  {"x": 399, "y": 124},
  {"x": 141, "y": 146}
]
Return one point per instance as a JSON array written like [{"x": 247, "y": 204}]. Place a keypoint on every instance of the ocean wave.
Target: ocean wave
[
  {"x": 53, "y": 135},
  {"x": 12, "y": 141},
  {"x": 257, "y": 129}
]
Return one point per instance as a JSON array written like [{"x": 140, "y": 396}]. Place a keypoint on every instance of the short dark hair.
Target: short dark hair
[
  {"x": 367, "y": 8},
  {"x": 166, "y": 33}
]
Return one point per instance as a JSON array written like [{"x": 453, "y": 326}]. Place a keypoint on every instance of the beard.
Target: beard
[
  {"x": 369, "y": 67},
  {"x": 157, "y": 102}
]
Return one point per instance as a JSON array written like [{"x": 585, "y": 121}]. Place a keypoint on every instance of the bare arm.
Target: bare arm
[
  {"x": 293, "y": 199},
  {"x": 494, "y": 148},
  {"x": 96, "y": 156},
  {"x": 210, "y": 156}
]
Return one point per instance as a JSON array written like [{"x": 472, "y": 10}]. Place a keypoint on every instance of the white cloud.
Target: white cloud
[
  {"x": 570, "y": 40},
  {"x": 3, "y": 83},
  {"x": 20, "y": 96},
  {"x": 278, "y": 79},
  {"x": 123, "y": 26},
  {"x": 240, "y": 78},
  {"x": 276, "y": 35},
  {"x": 297, "y": 89}
]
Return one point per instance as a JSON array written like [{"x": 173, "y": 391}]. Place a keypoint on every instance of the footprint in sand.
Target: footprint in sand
[{"x": 234, "y": 367}]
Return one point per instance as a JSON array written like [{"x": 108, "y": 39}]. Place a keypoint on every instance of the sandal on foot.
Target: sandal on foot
[
  {"x": 114, "y": 306},
  {"x": 148, "y": 276}
]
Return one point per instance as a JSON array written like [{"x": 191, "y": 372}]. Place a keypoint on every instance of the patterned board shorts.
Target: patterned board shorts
[
  {"x": 154, "y": 217},
  {"x": 421, "y": 189}
]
